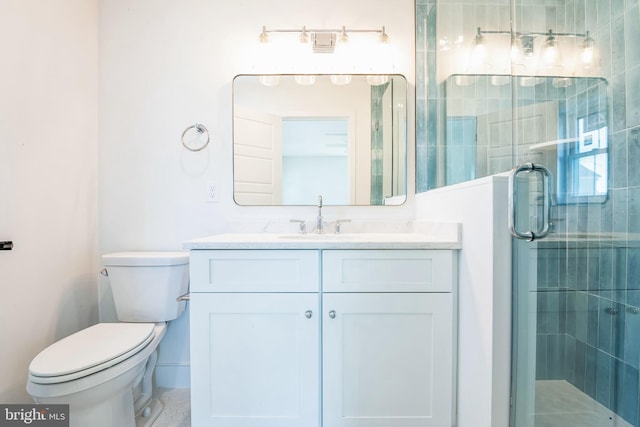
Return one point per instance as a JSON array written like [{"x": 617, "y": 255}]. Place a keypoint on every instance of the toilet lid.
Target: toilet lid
[{"x": 92, "y": 349}]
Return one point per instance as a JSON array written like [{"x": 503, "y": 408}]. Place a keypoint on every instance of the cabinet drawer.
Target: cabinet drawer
[
  {"x": 254, "y": 271},
  {"x": 387, "y": 270}
]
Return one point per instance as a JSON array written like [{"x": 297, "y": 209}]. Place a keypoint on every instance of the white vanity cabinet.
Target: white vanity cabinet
[{"x": 322, "y": 338}]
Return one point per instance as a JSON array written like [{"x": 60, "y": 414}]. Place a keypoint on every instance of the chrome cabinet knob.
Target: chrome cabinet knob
[
  {"x": 308, "y": 314},
  {"x": 332, "y": 314}
]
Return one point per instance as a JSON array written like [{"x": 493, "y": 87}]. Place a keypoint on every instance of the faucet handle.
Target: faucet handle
[
  {"x": 302, "y": 227},
  {"x": 339, "y": 223}
]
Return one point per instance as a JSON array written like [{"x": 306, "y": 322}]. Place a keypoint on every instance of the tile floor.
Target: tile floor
[
  {"x": 560, "y": 404},
  {"x": 177, "y": 408}
]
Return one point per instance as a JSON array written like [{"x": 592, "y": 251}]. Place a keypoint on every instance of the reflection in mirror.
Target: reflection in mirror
[
  {"x": 297, "y": 137},
  {"x": 558, "y": 122}
]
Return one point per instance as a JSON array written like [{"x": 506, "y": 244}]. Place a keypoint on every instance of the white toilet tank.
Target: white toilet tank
[{"x": 145, "y": 285}]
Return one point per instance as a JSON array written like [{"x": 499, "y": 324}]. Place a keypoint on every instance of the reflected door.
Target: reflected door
[{"x": 257, "y": 159}]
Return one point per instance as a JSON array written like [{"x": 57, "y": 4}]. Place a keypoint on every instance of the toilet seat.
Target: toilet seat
[{"x": 89, "y": 351}]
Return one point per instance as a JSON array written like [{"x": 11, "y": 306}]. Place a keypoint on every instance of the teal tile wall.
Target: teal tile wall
[
  {"x": 589, "y": 295},
  {"x": 377, "y": 132},
  {"x": 426, "y": 95}
]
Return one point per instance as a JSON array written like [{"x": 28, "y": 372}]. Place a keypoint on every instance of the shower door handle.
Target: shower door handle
[
  {"x": 6, "y": 245},
  {"x": 547, "y": 186}
]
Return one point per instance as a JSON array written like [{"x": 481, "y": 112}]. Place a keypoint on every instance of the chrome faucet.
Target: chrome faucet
[{"x": 319, "y": 221}]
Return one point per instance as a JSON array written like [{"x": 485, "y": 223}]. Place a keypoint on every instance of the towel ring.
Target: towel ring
[{"x": 200, "y": 129}]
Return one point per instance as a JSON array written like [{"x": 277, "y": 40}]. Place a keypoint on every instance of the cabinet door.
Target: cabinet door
[
  {"x": 254, "y": 360},
  {"x": 387, "y": 360}
]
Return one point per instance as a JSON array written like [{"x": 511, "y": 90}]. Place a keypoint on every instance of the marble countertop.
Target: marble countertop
[{"x": 446, "y": 238}]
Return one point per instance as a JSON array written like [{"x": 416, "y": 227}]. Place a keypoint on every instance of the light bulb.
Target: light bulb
[
  {"x": 517, "y": 53},
  {"x": 304, "y": 36},
  {"x": 269, "y": 80},
  {"x": 344, "y": 37},
  {"x": 465, "y": 80},
  {"x": 550, "y": 50},
  {"x": 530, "y": 81},
  {"x": 479, "y": 52},
  {"x": 305, "y": 79},
  {"x": 376, "y": 80},
  {"x": 263, "y": 37},
  {"x": 588, "y": 51},
  {"x": 340, "y": 79},
  {"x": 384, "y": 37},
  {"x": 500, "y": 80},
  {"x": 561, "y": 82},
  {"x": 478, "y": 55}
]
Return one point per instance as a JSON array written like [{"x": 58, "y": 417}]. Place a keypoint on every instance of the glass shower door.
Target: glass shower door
[{"x": 576, "y": 318}]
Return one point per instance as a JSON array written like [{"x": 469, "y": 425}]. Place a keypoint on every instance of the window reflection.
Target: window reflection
[{"x": 586, "y": 162}]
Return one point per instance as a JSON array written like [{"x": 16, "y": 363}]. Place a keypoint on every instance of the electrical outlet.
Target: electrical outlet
[{"x": 212, "y": 195}]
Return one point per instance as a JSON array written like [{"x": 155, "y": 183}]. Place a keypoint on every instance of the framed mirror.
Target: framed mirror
[{"x": 296, "y": 137}]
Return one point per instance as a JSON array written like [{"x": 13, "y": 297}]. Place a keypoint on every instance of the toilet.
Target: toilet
[{"x": 105, "y": 372}]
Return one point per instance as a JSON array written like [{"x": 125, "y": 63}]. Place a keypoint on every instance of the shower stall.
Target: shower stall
[{"x": 552, "y": 89}]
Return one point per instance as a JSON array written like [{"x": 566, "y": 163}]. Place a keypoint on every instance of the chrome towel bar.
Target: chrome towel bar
[{"x": 200, "y": 129}]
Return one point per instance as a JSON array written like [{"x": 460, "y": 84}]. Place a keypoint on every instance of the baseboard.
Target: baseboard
[{"x": 173, "y": 375}]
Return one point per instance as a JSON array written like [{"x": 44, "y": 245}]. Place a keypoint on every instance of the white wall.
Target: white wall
[
  {"x": 165, "y": 65},
  {"x": 48, "y": 207},
  {"x": 484, "y": 296}
]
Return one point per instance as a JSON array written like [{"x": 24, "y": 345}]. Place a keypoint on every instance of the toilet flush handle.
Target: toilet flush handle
[{"x": 184, "y": 297}]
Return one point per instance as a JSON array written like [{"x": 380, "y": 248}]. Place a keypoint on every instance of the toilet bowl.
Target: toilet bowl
[{"x": 105, "y": 372}]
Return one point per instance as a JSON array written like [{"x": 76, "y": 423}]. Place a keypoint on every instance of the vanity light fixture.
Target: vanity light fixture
[
  {"x": 527, "y": 44},
  {"x": 323, "y": 40},
  {"x": 522, "y": 45}
]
